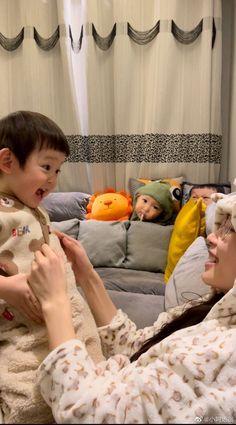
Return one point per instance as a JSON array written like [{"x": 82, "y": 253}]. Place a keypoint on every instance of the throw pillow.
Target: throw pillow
[
  {"x": 189, "y": 224},
  {"x": 65, "y": 205},
  {"x": 185, "y": 283},
  {"x": 70, "y": 227},
  {"x": 104, "y": 241},
  {"x": 126, "y": 244},
  {"x": 109, "y": 205},
  {"x": 147, "y": 246}
]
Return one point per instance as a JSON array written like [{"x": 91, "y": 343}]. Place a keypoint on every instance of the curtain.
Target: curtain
[
  {"x": 134, "y": 84},
  {"x": 228, "y": 163}
]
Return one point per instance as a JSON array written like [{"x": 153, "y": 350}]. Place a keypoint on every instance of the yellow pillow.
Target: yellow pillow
[{"x": 189, "y": 224}]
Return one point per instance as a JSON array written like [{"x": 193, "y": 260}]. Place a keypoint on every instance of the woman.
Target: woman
[{"x": 183, "y": 373}]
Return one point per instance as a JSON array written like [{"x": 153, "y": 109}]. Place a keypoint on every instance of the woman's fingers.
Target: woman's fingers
[
  {"x": 47, "y": 279},
  {"x": 62, "y": 235}
]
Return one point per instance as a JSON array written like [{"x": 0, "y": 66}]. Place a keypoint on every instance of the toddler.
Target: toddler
[
  {"x": 32, "y": 151},
  {"x": 153, "y": 202},
  {"x": 204, "y": 192}
]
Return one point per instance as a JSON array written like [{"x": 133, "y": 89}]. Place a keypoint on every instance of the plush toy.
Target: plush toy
[{"x": 109, "y": 205}]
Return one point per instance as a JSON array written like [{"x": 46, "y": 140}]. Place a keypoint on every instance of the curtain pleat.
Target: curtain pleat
[{"x": 135, "y": 85}]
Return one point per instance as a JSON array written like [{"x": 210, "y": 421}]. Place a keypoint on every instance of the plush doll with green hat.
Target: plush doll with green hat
[{"x": 153, "y": 202}]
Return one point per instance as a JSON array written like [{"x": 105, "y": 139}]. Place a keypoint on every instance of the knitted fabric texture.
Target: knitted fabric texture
[{"x": 24, "y": 343}]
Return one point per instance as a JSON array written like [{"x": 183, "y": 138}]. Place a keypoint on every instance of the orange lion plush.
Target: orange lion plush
[{"x": 109, "y": 205}]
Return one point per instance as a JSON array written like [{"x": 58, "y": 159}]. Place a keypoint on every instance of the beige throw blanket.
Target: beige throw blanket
[{"x": 23, "y": 344}]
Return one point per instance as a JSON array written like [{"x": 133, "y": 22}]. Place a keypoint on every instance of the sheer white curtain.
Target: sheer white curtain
[
  {"x": 135, "y": 101},
  {"x": 228, "y": 168}
]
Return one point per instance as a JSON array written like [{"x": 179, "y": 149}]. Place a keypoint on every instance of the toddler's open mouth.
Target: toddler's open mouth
[{"x": 40, "y": 193}]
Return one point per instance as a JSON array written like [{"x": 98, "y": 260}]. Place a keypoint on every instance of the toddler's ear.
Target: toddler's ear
[{"x": 5, "y": 160}]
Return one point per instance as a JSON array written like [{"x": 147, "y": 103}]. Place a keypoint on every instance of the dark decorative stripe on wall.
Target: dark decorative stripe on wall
[
  {"x": 163, "y": 148},
  {"x": 104, "y": 43}
]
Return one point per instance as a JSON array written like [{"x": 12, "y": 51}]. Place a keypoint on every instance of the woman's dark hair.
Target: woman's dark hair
[
  {"x": 191, "y": 316},
  {"x": 24, "y": 131}
]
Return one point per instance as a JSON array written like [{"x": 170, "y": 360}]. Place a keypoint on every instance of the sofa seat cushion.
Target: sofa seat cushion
[
  {"x": 142, "y": 309},
  {"x": 129, "y": 280}
]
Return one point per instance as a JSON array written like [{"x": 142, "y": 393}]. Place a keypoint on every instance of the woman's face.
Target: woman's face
[{"x": 220, "y": 268}]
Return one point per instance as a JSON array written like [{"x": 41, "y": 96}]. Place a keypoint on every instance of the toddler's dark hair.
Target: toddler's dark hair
[
  {"x": 24, "y": 131},
  {"x": 215, "y": 187}
]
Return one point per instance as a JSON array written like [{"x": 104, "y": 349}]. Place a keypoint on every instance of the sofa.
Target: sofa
[
  {"x": 131, "y": 258},
  {"x": 141, "y": 293}
]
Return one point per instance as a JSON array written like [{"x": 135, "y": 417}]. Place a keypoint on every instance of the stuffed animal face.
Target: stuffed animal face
[{"x": 110, "y": 206}]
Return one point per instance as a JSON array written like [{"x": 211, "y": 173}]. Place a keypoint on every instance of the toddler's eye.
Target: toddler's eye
[{"x": 46, "y": 167}]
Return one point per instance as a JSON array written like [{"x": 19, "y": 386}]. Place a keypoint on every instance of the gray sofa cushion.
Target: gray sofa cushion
[
  {"x": 126, "y": 244},
  {"x": 104, "y": 242},
  {"x": 128, "y": 280},
  {"x": 70, "y": 227},
  {"x": 142, "y": 309},
  {"x": 147, "y": 246}
]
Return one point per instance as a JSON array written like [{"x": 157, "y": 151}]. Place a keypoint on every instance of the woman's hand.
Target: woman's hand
[
  {"x": 48, "y": 281},
  {"x": 47, "y": 278},
  {"x": 76, "y": 254},
  {"x": 17, "y": 293},
  {"x": 93, "y": 287}
]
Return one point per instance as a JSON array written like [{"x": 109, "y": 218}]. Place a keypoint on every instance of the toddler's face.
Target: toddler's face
[
  {"x": 204, "y": 193},
  {"x": 147, "y": 208},
  {"x": 38, "y": 177}
]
